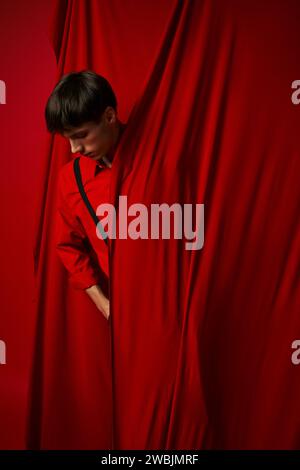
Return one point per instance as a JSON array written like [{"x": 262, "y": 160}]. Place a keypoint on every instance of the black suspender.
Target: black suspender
[{"x": 86, "y": 201}]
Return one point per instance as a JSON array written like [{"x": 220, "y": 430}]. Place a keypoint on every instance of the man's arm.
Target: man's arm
[
  {"x": 99, "y": 299},
  {"x": 72, "y": 249}
]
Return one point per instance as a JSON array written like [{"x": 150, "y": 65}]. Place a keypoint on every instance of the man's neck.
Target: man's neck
[{"x": 106, "y": 161}]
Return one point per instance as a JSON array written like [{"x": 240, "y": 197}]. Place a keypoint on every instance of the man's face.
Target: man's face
[{"x": 91, "y": 139}]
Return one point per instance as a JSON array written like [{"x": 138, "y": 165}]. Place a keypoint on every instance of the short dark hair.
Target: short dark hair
[{"x": 77, "y": 98}]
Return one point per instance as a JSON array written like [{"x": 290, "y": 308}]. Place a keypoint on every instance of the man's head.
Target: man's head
[{"x": 83, "y": 108}]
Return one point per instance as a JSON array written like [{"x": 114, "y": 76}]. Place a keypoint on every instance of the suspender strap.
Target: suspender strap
[{"x": 86, "y": 201}]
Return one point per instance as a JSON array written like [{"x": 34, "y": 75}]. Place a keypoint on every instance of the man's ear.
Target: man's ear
[{"x": 110, "y": 115}]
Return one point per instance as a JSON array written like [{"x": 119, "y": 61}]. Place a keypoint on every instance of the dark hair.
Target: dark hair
[{"x": 77, "y": 98}]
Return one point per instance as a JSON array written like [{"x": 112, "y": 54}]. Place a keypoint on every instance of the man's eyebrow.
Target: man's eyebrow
[{"x": 71, "y": 136}]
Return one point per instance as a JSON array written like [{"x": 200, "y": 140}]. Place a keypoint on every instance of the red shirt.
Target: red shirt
[{"x": 84, "y": 255}]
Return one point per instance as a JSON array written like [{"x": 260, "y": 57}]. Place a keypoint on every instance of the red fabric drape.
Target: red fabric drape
[
  {"x": 71, "y": 392},
  {"x": 199, "y": 350}
]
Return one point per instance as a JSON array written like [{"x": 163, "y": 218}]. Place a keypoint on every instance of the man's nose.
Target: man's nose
[{"x": 75, "y": 147}]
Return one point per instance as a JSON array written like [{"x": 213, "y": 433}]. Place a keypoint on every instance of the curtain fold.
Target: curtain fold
[{"x": 199, "y": 351}]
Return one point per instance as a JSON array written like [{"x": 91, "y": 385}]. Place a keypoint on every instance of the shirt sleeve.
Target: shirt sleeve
[{"x": 72, "y": 246}]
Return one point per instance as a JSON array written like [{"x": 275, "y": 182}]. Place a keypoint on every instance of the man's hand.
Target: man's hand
[{"x": 99, "y": 299}]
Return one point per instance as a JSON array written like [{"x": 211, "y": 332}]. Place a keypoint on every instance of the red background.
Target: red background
[{"x": 27, "y": 65}]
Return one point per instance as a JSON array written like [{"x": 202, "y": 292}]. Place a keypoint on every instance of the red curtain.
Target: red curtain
[{"x": 198, "y": 354}]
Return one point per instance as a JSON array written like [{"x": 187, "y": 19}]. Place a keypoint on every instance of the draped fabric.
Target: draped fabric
[{"x": 198, "y": 352}]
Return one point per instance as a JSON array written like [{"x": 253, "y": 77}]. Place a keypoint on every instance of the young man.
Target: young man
[{"x": 83, "y": 109}]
